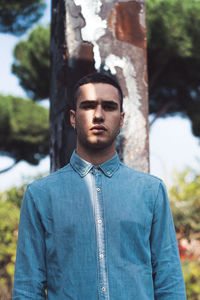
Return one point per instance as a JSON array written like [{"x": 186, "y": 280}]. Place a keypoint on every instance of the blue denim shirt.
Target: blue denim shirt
[{"x": 97, "y": 233}]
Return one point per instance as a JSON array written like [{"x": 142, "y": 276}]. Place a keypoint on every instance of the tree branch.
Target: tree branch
[
  {"x": 9, "y": 168},
  {"x": 162, "y": 111}
]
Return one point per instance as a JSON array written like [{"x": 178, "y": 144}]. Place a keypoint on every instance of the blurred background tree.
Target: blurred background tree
[
  {"x": 16, "y": 16},
  {"x": 24, "y": 129},
  {"x": 174, "y": 59},
  {"x": 24, "y": 126},
  {"x": 32, "y": 63}
]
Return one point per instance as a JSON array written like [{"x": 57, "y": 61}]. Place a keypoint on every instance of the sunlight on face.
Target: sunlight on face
[{"x": 97, "y": 118}]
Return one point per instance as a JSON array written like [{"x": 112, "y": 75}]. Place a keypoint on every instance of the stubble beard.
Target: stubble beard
[{"x": 99, "y": 145}]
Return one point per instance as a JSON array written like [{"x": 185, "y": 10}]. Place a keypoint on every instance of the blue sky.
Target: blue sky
[{"x": 172, "y": 145}]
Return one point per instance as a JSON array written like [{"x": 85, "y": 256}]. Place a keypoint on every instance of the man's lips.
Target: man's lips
[{"x": 98, "y": 128}]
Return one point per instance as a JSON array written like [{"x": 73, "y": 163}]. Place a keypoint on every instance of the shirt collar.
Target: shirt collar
[{"x": 83, "y": 167}]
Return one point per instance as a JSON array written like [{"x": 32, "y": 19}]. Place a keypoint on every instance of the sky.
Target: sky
[{"x": 172, "y": 145}]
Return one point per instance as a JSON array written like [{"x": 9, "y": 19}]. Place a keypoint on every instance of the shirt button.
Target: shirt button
[
  {"x": 101, "y": 256},
  {"x": 83, "y": 172},
  {"x": 99, "y": 221},
  {"x": 103, "y": 289},
  {"x": 98, "y": 189},
  {"x": 108, "y": 172}
]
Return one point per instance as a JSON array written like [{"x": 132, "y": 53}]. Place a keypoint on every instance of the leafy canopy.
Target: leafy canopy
[
  {"x": 24, "y": 129},
  {"x": 174, "y": 58},
  {"x": 32, "y": 63},
  {"x": 16, "y": 16}
]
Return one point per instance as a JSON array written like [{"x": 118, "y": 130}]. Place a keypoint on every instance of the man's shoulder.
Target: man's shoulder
[
  {"x": 139, "y": 176},
  {"x": 51, "y": 180}
]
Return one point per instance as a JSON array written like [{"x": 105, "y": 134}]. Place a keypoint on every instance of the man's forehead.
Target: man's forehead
[{"x": 93, "y": 91}]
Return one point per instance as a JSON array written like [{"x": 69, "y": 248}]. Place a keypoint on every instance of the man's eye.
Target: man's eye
[
  {"x": 89, "y": 106},
  {"x": 109, "y": 107}
]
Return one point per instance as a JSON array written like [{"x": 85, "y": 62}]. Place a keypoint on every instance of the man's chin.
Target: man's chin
[
  {"x": 99, "y": 144},
  {"x": 96, "y": 143}
]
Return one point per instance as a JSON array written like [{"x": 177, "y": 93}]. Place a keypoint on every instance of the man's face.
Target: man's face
[{"x": 97, "y": 118}]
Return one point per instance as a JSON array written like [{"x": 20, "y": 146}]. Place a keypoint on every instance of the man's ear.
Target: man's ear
[
  {"x": 122, "y": 114},
  {"x": 72, "y": 118}
]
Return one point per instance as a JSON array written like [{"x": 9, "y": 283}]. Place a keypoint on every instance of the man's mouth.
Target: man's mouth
[{"x": 98, "y": 128}]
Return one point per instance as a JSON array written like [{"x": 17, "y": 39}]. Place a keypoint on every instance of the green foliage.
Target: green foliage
[
  {"x": 10, "y": 203},
  {"x": 184, "y": 198},
  {"x": 32, "y": 63},
  {"x": 24, "y": 129},
  {"x": 185, "y": 203},
  {"x": 16, "y": 16},
  {"x": 191, "y": 273},
  {"x": 174, "y": 58},
  {"x": 9, "y": 218},
  {"x": 173, "y": 25}
]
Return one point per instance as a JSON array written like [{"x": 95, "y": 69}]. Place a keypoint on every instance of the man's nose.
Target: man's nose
[{"x": 99, "y": 113}]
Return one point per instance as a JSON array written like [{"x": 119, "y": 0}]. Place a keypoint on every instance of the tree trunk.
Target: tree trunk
[{"x": 89, "y": 36}]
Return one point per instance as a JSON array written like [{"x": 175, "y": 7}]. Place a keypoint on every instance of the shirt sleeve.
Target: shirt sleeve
[
  {"x": 30, "y": 269},
  {"x": 167, "y": 273}
]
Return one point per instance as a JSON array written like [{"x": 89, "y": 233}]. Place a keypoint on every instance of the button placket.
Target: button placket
[{"x": 101, "y": 247}]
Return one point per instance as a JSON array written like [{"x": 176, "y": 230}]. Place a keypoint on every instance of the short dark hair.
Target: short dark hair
[{"x": 98, "y": 78}]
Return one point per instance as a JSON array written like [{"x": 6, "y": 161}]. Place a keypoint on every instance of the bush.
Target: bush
[{"x": 191, "y": 272}]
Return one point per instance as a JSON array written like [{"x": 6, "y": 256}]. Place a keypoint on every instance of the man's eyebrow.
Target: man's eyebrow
[
  {"x": 86, "y": 102},
  {"x": 93, "y": 102},
  {"x": 110, "y": 102}
]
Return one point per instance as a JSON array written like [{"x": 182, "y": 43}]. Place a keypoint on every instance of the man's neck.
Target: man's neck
[{"x": 96, "y": 156}]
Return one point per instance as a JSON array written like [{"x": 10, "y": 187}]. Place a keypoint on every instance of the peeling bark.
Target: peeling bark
[
  {"x": 92, "y": 35},
  {"x": 125, "y": 22}
]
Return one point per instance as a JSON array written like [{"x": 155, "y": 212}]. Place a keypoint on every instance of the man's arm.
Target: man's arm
[
  {"x": 167, "y": 273},
  {"x": 30, "y": 269}
]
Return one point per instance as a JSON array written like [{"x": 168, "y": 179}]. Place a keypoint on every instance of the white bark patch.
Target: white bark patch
[
  {"x": 112, "y": 61},
  {"x": 95, "y": 26},
  {"x": 134, "y": 130},
  {"x": 72, "y": 42}
]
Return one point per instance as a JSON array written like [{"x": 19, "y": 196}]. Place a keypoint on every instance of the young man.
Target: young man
[{"x": 96, "y": 229}]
